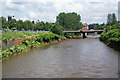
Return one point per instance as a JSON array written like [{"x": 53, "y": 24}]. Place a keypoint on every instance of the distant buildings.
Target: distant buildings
[
  {"x": 94, "y": 25},
  {"x": 10, "y": 18},
  {"x": 91, "y": 26},
  {"x": 119, "y": 11},
  {"x": 85, "y": 26}
]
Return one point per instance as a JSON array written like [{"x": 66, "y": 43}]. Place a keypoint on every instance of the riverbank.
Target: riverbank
[
  {"x": 111, "y": 38},
  {"x": 23, "y": 42}
]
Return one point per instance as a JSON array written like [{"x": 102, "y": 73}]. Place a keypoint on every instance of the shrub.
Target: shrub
[
  {"x": 28, "y": 41},
  {"x": 111, "y": 38}
]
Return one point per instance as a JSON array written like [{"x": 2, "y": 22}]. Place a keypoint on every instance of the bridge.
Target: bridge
[{"x": 83, "y": 32}]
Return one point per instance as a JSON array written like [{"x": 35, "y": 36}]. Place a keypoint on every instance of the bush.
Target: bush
[
  {"x": 28, "y": 42},
  {"x": 111, "y": 38}
]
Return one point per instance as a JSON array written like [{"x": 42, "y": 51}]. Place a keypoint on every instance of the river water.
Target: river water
[{"x": 72, "y": 58}]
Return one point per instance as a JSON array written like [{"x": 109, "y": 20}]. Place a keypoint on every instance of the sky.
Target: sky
[{"x": 91, "y": 11}]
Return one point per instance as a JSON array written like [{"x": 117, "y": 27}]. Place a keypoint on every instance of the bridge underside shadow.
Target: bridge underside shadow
[{"x": 84, "y": 33}]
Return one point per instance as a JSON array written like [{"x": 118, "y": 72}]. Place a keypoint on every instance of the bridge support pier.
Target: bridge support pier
[{"x": 84, "y": 36}]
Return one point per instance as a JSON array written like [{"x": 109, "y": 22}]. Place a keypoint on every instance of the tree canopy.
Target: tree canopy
[
  {"x": 69, "y": 21},
  {"x": 28, "y": 25},
  {"x": 111, "y": 19}
]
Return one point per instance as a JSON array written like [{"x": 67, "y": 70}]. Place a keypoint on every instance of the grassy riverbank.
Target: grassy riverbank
[
  {"x": 111, "y": 38},
  {"x": 27, "y": 41}
]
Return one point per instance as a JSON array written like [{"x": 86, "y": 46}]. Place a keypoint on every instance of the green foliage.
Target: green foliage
[
  {"x": 3, "y": 23},
  {"x": 111, "y": 19},
  {"x": 111, "y": 38},
  {"x": 69, "y": 35},
  {"x": 57, "y": 29},
  {"x": 19, "y": 25},
  {"x": 13, "y": 51},
  {"x": 12, "y": 24},
  {"x": 28, "y": 25},
  {"x": 7, "y": 36},
  {"x": 99, "y": 27},
  {"x": 112, "y": 23},
  {"x": 115, "y": 26},
  {"x": 30, "y": 40},
  {"x": 69, "y": 21}
]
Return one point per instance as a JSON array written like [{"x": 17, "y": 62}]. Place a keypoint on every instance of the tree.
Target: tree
[
  {"x": 111, "y": 19},
  {"x": 38, "y": 26},
  {"x": 57, "y": 29},
  {"x": 28, "y": 25},
  {"x": 20, "y": 25},
  {"x": 114, "y": 19},
  {"x": 12, "y": 24},
  {"x": 69, "y": 21},
  {"x": 3, "y": 22}
]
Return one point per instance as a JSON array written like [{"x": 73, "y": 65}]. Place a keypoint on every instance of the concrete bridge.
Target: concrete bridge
[{"x": 84, "y": 32}]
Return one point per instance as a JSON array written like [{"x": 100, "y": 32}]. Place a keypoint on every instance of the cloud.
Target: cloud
[
  {"x": 33, "y": 14},
  {"x": 47, "y": 10},
  {"x": 12, "y": 6},
  {"x": 24, "y": 18}
]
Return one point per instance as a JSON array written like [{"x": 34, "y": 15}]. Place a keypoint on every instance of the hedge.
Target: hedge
[{"x": 111, "y": 38}]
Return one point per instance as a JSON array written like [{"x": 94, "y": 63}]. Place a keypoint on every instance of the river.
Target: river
[{"x": 72, "y": 58}]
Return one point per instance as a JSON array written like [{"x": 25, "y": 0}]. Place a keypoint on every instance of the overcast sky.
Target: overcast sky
[{"x": 91, "y": 11}]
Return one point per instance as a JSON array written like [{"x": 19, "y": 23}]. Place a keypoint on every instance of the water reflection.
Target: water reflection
[{"x": 95, "y": 36}]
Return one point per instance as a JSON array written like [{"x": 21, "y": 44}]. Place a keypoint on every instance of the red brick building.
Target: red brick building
[{"x": 85, "y": 27}]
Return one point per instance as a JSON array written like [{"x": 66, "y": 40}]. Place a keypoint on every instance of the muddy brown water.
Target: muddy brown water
[{"x": 73, "y": 58}]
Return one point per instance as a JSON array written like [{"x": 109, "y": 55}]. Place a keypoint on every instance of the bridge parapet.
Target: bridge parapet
[
  {"x": 84, "y": 32},
  {"x": 80, "y": 31}
]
